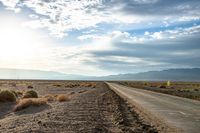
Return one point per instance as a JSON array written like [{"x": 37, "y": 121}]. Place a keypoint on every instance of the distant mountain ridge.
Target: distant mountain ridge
[
  {"x": 35, "y": 74},
  {"x": 187, "y": 74}
]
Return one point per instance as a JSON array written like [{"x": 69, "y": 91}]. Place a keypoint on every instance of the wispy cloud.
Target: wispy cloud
[
  {"x": 155, "y": 50},
  {"x": 62, "y": 16}
]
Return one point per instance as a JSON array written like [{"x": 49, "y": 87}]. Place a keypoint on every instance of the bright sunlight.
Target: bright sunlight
[
  {"x": 19, "y": 45},
  {"x": 16, "y": 42}
]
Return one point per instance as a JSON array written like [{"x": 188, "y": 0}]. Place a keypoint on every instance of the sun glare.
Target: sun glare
[{"x": 16, "y": 42}]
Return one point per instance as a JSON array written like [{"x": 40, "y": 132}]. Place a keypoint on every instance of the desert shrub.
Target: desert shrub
[
  {"x": 25, "y": 103},
  {"x": 30, "y": 87},
  {"x": 162, "y": 86},
  {"x": 88, "y": 84},
  {"x": 63, "y": 98},
  {"x": 57, "y": 85},
  {"x": 49, "y": 97},
  {"x": 71, "y": 85},
  {"x": 82, "y": 91},
  {"x": 71, "y": 93},
  {"x": 7, "y": 96},
  {"x": 19, "y": 93},
  {"x": 15, "y": 93},
  {"x": 30, "y": 94}
]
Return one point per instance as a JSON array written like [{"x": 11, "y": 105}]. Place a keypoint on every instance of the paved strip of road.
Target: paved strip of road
[{"x": 180, "y": 112}]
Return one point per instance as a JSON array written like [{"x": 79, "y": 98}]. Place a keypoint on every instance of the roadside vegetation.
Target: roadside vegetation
[
  {"x": 189, "y": 90},
  {"x": 27, "y": 102},
  {"x": 7, "y": 96},
  {"x": 63, "y": 98},
  {"x": 30, "y": 94},
  {"x": 76, "y": 84},
  {"x": 27, "y": 97}
]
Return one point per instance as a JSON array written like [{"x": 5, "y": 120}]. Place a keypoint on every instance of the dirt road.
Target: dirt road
[{"x": 180, "y": 112}]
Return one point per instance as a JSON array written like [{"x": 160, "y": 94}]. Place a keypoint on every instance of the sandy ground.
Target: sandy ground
[{"x": 91, "y": 109}]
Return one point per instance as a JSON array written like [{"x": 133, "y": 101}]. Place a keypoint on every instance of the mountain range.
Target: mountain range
[
  {"x": 186, "y": 74},
  {"x": 36, "y": 74}
]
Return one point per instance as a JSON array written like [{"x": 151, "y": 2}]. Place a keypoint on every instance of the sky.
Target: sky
[{"x": 99, "y": 37}]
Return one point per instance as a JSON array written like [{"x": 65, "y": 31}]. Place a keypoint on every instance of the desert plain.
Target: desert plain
[{"x": 68, "y": 106}]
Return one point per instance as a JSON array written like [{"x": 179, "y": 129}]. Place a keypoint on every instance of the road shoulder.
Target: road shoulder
[{"x": 147, "y": 116}]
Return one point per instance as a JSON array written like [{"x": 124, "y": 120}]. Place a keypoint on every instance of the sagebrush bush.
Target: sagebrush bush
[
  {"x": 15, "y": 93},
  {"x": 30, "y": 94},
  {"x": 19, "y": 93},
  {"x": 63, "y": 98},
  {"x": 88, "y": 84},
  {"x": 7, "y": 96},
  {"x": 57, "y": 85},
  {"x": 30, "y": 87},
  {"x": 49, "y": 97},
  {"x": 25, "y": 103},
  {"x": 162, "y": 86}
]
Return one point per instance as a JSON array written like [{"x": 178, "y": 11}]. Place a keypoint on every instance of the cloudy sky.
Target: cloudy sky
[{"x": 99, "y": 37}]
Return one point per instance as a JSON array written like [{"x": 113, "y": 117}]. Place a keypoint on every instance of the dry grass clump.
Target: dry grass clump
[
  {"x": 19, "y": 93},
  {"x": 30, "y": 87},
  {"x": 57, "y": 85},
  {"x": 58, "y": 97},
  {"x": 93, "y": 85},
  {"x": 7, "y": 96},
  {"x": 25, "y": 103},
  {"x": 63, "y": 98},
  {"x": 30, "y": 94},
  {"x": 71, "y": 85},
  {"x": 15, "y": 93},
  {"x": 88, "y": 84},
  {"x": 162, "y": 86},
  {"x": 80, "y": 84},
  {"x": 50, "y": 97}
]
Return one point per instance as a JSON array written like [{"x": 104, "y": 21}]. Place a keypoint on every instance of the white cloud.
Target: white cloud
[
  {"x": 11, "y": 4},
  {"x": 146, "y": 33},
  {"x": 157, "y": 35},
  {"x": 145, "y": 1},
  {"x": 171, "y": 34},
  {"x": 189, "y": 18},
  {"x": 86, "y": 37},
  {"x": 76, "y": 56},
  {"x": 60, "y": 17},
  {"x": 33, "y": 16},
  {"x": 118, "y": 36}
]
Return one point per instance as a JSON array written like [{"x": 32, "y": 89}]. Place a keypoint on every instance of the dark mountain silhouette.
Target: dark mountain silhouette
[{"x": 186, "y": 74}]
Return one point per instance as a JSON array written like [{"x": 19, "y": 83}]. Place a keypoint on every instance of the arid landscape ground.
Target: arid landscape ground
[{"x": 69, "y": 106}]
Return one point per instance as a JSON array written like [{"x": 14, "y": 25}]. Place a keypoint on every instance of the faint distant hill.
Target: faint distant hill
[
  {"x": 35, "y": 74},
  {"x": 186, "y": 74}
]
